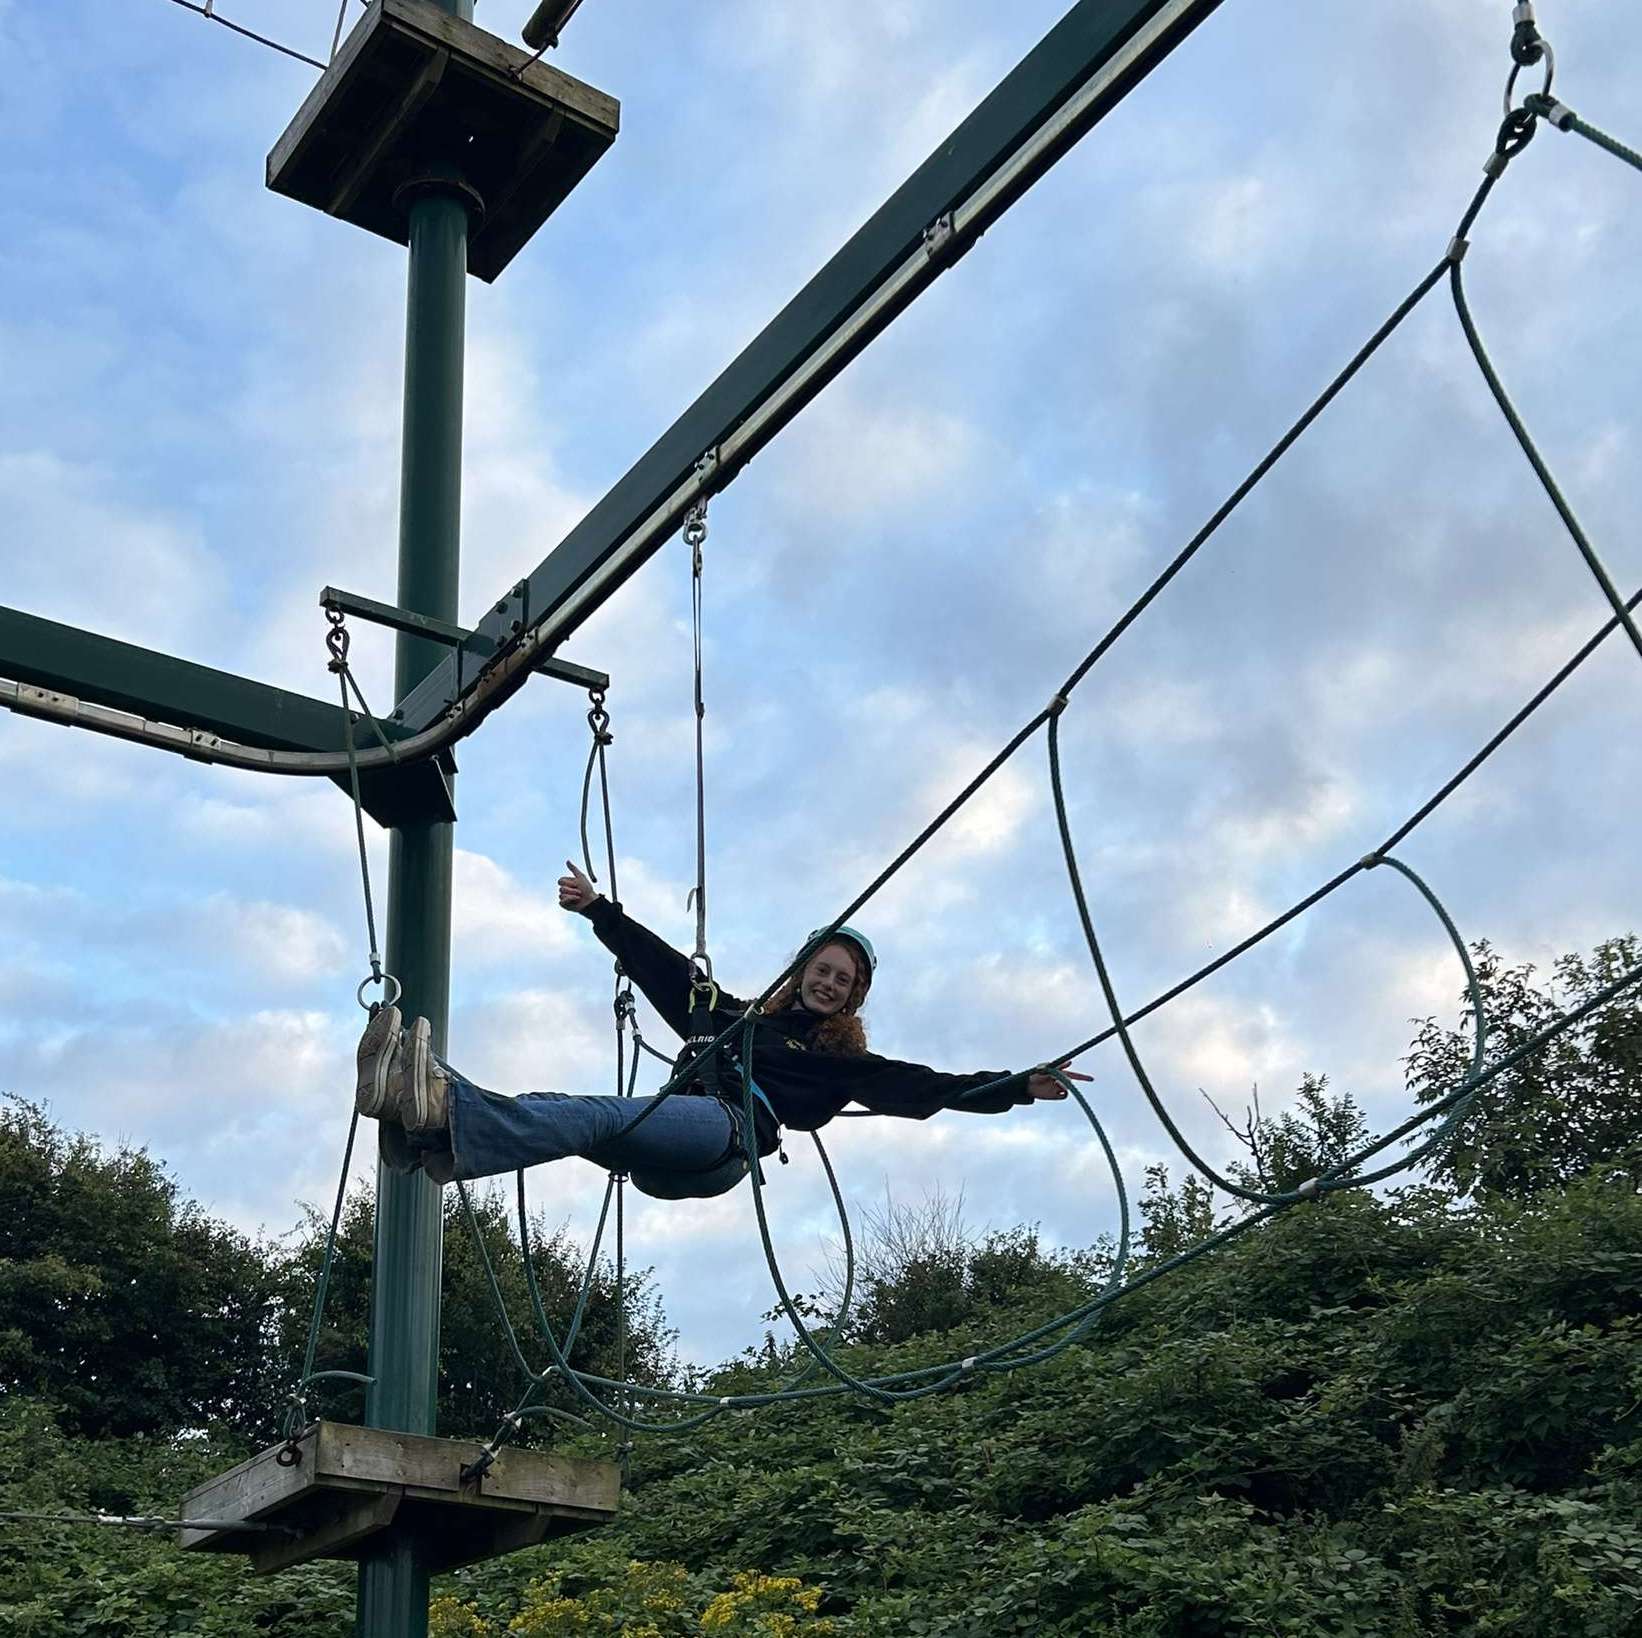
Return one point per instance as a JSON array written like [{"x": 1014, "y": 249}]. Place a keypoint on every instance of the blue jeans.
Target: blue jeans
[{"x": 690, "y": 1148}]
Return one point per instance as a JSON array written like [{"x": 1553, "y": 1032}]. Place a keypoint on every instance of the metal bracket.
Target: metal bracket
[
  {"x": 514, "y": 607},
  {"x": 938, "y": 235}
]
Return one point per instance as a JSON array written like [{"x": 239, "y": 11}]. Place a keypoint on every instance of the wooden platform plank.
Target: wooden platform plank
[
  {"x": 255, "y": 1487},
  {"x": 433, "y": 1467},
  {"x": 360, "y": 1518},
  {"x": 417, "y": 91},
  {"x": 352, "y": 1483},
  {"x": 506, "y": 60}
]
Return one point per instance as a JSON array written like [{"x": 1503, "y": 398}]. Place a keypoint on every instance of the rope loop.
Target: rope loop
[
  {"x": 598, "y": 719},
  {"x": 337, "y": 640},
  {"x": 695, "y": 531},
  {"x": 1516, "y": 131},
  {"x": 1527, "y": 44}
]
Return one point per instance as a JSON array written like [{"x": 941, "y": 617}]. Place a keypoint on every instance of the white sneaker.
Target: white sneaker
[
  {"x": 378, "y": 1053},
  {"x": 416, "y": 1089}
]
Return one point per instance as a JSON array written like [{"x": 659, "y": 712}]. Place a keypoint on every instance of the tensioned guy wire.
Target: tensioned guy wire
[{"x": 210, "y": 13}]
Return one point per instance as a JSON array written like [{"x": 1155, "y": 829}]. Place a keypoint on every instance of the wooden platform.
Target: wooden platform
[
  {"x": 414, "y": 87},
  {"x": 353, "y": 1483}
]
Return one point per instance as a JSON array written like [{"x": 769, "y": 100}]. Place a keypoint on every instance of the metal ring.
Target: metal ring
[
  {"x": 1516, "y": 69},
  {"x": 389, "y": 998}
]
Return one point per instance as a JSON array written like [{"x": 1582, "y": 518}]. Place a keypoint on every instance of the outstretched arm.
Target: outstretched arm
[
  {"x": 889, "y": 1086},
  {"x": 662, "y": 972}
]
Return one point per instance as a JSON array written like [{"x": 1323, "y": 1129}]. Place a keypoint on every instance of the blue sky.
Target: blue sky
[{"x": 199, "y": 420}]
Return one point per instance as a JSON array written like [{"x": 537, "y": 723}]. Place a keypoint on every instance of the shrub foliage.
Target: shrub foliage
[{"x": 1406, "y": 1415}]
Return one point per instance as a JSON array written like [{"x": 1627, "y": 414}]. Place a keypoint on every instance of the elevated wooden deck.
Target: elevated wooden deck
[
  {"x": 353, "y": 1483},
  {"x": 415, "y": 90}
]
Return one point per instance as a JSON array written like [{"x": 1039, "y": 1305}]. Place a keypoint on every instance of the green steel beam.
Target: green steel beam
[
  {"x": 1035, "y": 114},
  {"x": 158, "y": 687},
  {"x": 150, "y": 684}
]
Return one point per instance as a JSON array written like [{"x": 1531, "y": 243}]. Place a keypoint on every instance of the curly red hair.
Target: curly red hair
[{"x": 843, "y": 1034}]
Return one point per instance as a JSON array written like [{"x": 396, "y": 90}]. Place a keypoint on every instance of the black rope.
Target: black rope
[{"x": 1537, "y": 462}]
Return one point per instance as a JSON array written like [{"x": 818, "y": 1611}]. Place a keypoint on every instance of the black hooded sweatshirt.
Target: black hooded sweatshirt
[{"x": 806, "y": 1089}]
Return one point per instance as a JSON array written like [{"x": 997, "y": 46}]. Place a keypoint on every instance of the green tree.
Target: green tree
[
  {"x": 126, "y": 1307},
  {"x": 920, "y": 1269},
  {"x": 1173, "y": 1220},
  {"x": 1570, "y": 1107},
  {"x": 479, "y": 1376},
  {"x": 1320, "y": 1132}
]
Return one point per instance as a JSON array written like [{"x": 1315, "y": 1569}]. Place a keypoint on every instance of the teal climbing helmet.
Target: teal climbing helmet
[{"x": 860, "y": 940}]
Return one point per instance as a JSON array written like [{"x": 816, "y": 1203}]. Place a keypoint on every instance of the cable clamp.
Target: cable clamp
[
  {"x": 1457, "y": 248},
  {"x": 1494, "y": 165},
  {"x": 1556, "y": 113},
  {"x": 481, "y": 1464},
  {"x": 1527, "y": 44},
  {"x": 1311, "y": 1189},
  {"x": 1057, "y": 704},
  {"x": 1371, "y": 861},
  {"x": 724, "y": 1403},
  {"x": 969, "y": 1364},
  {"x": 938, "y": 235}
]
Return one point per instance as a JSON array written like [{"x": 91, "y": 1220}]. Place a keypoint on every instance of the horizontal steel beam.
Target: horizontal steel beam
[
  {"x": 146, "y": 683},
  {"x": 1086, "y": 64},
  {"x": 77, "y": 678}
]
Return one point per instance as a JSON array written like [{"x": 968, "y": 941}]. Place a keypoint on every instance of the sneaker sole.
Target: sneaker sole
[
  {"x": 416, "y": 1102},
  {"x": 378, "y": 1048}
]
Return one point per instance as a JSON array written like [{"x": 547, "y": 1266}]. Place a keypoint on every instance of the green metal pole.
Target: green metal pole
[{"x": 404, "y": 1352}]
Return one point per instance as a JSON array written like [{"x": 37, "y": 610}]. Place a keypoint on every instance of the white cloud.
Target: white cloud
[
  {"x": 278, "y": 942},
  {"x": 495, "y": 920},
  {"x": 870, "y": 458},
  {"x": 88, "y": 556}
]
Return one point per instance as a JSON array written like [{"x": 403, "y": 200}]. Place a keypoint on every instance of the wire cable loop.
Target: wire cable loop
[
  {"x": 695, "y": 537},
  {"x": 1528, "y": 45},
  {"x": 1528, "y": 48}
]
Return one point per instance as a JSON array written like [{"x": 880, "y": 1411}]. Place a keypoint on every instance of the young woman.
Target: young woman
[{"x": 808, "y": 1059}]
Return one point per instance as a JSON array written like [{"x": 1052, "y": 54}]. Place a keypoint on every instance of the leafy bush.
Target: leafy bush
[
  {"x": 127, "y": 1308},
  {"x": 647, "y": 1600},
  {"x": 1567, "y": 1109}
]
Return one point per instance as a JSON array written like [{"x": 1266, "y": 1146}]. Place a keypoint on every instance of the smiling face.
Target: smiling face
[{"x": 828, "y": 980}]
